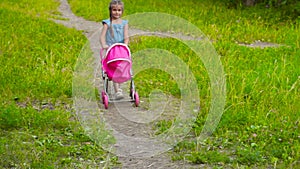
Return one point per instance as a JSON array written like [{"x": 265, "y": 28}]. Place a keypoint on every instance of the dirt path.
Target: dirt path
[{"x": 133, "y": 147}]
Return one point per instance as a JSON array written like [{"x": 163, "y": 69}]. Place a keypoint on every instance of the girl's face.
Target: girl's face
[{"x": 116, "y": 11}]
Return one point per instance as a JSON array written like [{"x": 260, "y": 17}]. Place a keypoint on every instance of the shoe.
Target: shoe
[{"x": 119, "y": 95}]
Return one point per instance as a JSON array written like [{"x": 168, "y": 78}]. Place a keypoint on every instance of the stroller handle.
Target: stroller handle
[{"x": 102, "y": 49}]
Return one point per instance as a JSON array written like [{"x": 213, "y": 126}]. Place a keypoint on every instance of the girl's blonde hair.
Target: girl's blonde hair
[{"x": 111, "y": 4}]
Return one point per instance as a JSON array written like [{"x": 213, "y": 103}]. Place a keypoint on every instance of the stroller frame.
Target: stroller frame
[{"x": 106, "y": 99}]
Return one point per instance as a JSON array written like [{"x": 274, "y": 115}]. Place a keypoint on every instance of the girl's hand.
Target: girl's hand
[{"x": 105, "y": 46}]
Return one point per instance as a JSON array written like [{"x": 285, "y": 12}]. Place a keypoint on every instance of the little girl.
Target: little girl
[{"x": 115, "y": 30}]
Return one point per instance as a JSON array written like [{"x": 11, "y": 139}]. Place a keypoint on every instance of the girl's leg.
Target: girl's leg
[
  {"x": 117, "y": 87},
  {"x": 118, "y": 91}
]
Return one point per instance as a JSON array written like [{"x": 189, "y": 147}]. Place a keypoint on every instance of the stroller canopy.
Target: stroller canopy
[{"x": 117, "y": 63}]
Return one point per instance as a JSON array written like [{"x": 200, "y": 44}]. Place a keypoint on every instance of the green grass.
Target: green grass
[
  {"x": 33, "y": 8},
  {"x": 259, "y": 127},
  {"x": 214, "y": 18},
  {"x": 37, "y": 128},
  {"x": 40, "y": 72},
  {"x": 261, "y": 123},
  {"x": 44, "y": 139}
]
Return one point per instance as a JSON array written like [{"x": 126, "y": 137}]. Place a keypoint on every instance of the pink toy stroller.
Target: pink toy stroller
[{"x": 116, "y": 67}]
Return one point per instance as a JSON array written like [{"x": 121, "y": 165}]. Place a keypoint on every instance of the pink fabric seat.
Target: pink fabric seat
[{"x": 117, "y": 63}]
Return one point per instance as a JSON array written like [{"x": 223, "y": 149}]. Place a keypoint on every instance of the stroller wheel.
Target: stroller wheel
[
  {"x": 105, "y": 101},
  {"x": 136, "y": 99},
  {"x": 102, "y": 96}
]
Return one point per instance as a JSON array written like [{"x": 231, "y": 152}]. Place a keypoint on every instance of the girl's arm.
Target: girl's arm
[
  {"x": 126, "y": 36},
  {"x": 102, "y": 36}
]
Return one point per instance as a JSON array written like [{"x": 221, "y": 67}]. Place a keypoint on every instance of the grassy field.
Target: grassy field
[
  {"x": 260, "y": 125},
  {"x": 37, "y": 129}
]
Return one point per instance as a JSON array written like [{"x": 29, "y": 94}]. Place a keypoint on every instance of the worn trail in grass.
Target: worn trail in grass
[
  {"x": 91, "y": 30},
  {"x": 127, "y": 148}
]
